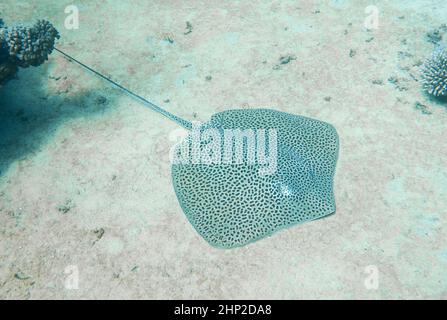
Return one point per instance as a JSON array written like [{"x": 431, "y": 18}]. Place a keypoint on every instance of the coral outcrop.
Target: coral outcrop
[
  {"x": 434, "y": 73},
  {"x": 24, "y": 46}
]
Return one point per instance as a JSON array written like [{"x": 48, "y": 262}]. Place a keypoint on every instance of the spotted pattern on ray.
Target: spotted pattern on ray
[{"x": 231, "y": 205}]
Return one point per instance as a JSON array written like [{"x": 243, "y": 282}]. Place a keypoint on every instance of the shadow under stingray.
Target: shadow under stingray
[{"x": 29, "y": 116}]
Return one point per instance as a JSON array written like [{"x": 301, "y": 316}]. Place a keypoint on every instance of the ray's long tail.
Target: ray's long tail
[{"x": 184, "y": 123}]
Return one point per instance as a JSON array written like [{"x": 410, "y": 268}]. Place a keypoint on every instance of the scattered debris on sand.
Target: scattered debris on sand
[
  {"x": 66, "y": 207},
  {"x": 283, "y": 60},
  {"x": 188, "y": 28},
  {"x": 423, "y": 108},
  {"x": 21, "y": 276},
  {"x": 99, "y": 233},
  {"x": 287, "y": 59},
  {"x": 398, "y": 83},
  {"x": 168, "y": 37},
  {"x": 100, "y": 100},
  {"x": 435, "y": 36}
]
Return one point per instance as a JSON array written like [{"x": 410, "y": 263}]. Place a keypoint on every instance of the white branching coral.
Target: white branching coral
[{"x": 434, "y": 73}]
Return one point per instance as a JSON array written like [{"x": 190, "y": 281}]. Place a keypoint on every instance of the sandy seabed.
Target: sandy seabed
[{"x": 85, "y": 185}]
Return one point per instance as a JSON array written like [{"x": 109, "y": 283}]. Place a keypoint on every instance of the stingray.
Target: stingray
[{"x": 247, "y": 173}]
